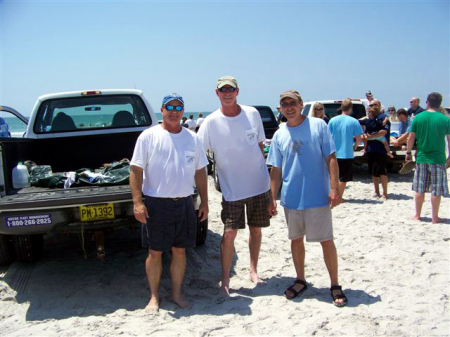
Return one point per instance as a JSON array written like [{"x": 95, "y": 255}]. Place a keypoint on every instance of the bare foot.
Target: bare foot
[
  {"x": 376, "y": 195},
  {"x": 152, "y": 306},
  {"x": 255, "y": 278},
  {"x": 415, "y": 217},
  {"x": 384, "y": 197},
  {"x": 437, "y": 220},
  {"x": 225, "y": 288},
  {"x": 181, "y": 302}
]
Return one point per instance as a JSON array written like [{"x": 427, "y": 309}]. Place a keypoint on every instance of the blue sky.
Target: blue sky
[{"x": 323, "y": 49}]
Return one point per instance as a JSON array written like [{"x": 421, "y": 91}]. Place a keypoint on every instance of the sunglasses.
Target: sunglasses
[
  {"x": 174, "y": 107},
  {"x": 391, "y": 110},
  {"x": 227, "y": 89},
  {"x": 318, "y": 109},
  {"x": 285, "y": 105}
]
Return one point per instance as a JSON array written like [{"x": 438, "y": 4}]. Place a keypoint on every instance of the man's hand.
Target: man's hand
[
  {"x": 140, "y": 212},
  {"x": 203, "y": 211},
  {"x": 408, "y": 157},
  {"x": 272, "y": 208},
  {"x": 334, "y": 197}
]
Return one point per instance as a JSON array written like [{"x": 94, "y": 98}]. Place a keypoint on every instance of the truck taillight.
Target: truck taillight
[{"x": 92, "y": 92}]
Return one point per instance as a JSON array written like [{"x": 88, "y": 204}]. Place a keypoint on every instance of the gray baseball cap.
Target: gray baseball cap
[{"x": 227, "y": 80}]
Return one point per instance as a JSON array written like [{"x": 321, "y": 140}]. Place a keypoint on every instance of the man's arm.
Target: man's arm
[
  {"x": 333, "y": 169},
  {"x": 401, "y": 140},
  {"x": 447, "y": 163},
  {"x": 275, "y": 183},
  {"x": 202, "y": 186},
  {"x": 409, "y": 145},
  {"x": 261, "y": 147},
  {"x": 377, "y": 135},
  {"x": 139, "y": 209},
  {"x": 358, "y": 140}
]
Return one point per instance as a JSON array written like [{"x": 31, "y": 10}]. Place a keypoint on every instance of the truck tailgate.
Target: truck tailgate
[{"x": 35, "y": 197}]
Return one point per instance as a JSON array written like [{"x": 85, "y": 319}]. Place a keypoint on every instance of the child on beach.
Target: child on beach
[{"x": 366, "y": 120}]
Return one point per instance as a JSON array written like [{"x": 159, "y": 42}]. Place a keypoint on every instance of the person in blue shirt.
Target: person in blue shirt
[
  {"x": 302, "y": 155},
  {"x": 344, "y": 128},
  {"x": 4, "y": 128},
  {"x": 405, "y": 126}
]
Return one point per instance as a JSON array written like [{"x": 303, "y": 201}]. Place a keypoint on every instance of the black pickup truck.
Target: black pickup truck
[{"x": 76, "y": 132}]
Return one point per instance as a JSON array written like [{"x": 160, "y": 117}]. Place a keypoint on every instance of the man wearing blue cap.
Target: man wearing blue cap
[{"x": 166, "y": 162}]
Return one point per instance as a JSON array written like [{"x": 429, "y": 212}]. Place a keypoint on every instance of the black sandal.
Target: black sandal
[
  {"x": 295, "y": 292},
  {"x": 339, "y": 296}
]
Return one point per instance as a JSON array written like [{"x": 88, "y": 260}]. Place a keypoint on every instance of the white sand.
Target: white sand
[{"x": 395, "y": 272}]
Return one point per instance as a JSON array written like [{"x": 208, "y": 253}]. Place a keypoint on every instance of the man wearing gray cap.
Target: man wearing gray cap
[
  {"x": 302, "y": 155},
  {"x": 235, "y": 133}
]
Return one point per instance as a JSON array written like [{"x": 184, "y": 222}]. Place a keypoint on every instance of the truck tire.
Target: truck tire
[
  {"x": 210, "y": 166},
  {"x": 393, "y": 167},
  {"x": 28, "y": 248},
  {"x": 216, "y": 177},
  {"x": 6, "y": 250},
  {"x": 202, "y": 231}
]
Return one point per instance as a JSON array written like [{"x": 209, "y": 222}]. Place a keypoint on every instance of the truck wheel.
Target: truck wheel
[
  {"x": 216, "y": 177},
  {"x": 202, "y": 231},
  {"x": 28, "y": 248},
  {"x": 6, "y": 250}
]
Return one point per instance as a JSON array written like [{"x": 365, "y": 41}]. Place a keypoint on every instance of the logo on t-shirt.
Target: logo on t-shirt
[{"x": 296, "y": 147}]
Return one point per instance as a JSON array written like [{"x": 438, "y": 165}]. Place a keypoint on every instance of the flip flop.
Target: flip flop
[
  {"x": 407, "y": 167},
  {"x": 338, "y": 296},
  {"x": 295, "y": 292}
]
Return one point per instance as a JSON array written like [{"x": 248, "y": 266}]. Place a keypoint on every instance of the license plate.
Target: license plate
[{"x": 97, "y": 212}]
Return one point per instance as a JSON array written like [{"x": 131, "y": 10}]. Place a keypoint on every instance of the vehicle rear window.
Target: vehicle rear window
[
  {"x": 267, "y": 115},
  {"x": 91, "y": 112}
]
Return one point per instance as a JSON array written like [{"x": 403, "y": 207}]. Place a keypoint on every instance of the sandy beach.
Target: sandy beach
[{"x": 394, "y": 271}]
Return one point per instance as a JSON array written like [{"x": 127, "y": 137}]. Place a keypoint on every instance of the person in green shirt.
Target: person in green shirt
[{"x": 430, "y": 129}]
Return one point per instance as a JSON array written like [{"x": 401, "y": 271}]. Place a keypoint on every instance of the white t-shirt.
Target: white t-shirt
[
  {"x": 169, "y": 161},
  {"x": 191, "y": 124},
  {"x": 240, "y": 164},
  {"x": 200, "y": 121}
]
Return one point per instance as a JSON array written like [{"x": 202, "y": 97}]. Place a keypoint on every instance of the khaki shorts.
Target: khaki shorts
[
  {"x": 233, "y": 212},
  {"x": 314, "y": 223}
]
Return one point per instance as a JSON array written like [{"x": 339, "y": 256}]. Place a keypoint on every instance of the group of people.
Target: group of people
[
  {"x": 191, "y": 124},
  {"x": 311, "y": 163}
]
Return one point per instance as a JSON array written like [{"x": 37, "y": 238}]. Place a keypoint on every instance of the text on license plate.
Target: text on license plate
[{"x": 97, "y": 212}]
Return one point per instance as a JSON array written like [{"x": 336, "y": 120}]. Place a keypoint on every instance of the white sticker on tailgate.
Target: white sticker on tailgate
[{"x": 28, "y": 220}]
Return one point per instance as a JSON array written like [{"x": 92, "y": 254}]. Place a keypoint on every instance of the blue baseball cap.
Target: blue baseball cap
[{"x": 172, "y": 97}]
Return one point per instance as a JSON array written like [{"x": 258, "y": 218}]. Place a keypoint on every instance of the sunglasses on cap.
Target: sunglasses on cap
[
  {"x": 227, "y": 89},
  {"x": 170, "y": 107}
]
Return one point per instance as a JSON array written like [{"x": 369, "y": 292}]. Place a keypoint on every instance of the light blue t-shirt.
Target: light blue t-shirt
[
  {"x": 344, "y": 128},
  {"x": 300, "y": 152}
]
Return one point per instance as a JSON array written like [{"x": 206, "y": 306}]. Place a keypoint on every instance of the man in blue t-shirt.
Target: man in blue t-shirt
[
  {"x": 344, "y": 128},
  {"x": 302, "y": 155},
  {"x": 377, "y": 155}
]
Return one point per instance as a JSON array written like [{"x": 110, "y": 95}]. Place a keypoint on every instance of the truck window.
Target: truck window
[{"x": 91, "y": 112}]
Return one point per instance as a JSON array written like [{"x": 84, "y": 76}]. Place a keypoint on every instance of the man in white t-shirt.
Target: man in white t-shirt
[
  {"x": 166, "y": 162},
  {"x": 191, "y": 123},
  {"x": 200, "y": 120},
  {"x": 235, "y": 133}
]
